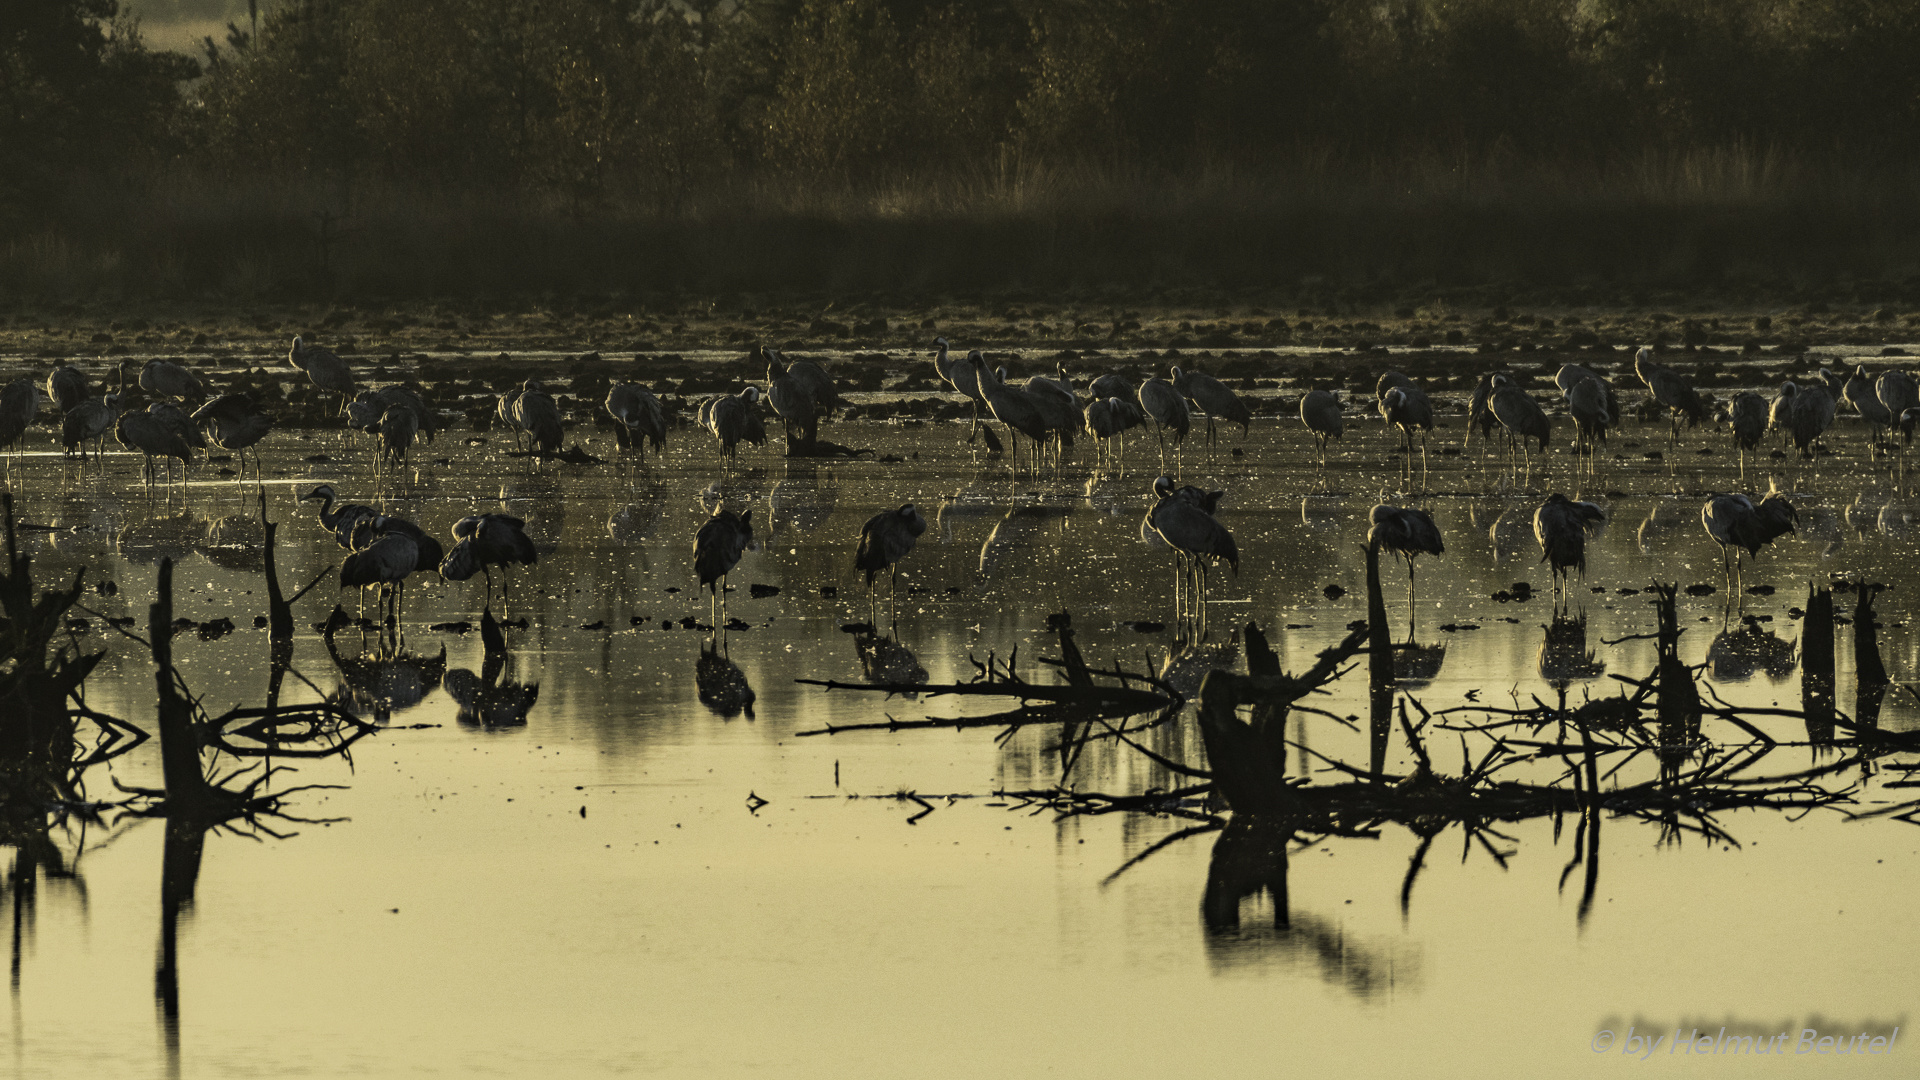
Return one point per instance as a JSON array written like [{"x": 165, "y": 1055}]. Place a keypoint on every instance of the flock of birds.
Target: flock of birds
[{"x": 1047, "y": 411}]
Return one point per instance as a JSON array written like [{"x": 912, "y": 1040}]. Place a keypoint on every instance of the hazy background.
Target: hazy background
[{"x": 363, "y": 146}]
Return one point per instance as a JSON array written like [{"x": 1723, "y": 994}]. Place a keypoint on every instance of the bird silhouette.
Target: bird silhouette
[
  {"x": 885, "y": 539},
  {"x": 1168, "y": 411},
  {"x": 733, "y": 419},
  {"x": 1561, "y": 526},
  {"x": 1405, "y": 532},
  {"x": 1861, "y": 394},
  {"x": 1214, "y": 398},
  {"x": 1589, "y": 402},
  {"x": 536, "y": 414},
  {"x": 1108, "y": 420},
  {"x": 1406, "y": 406},
  {"x": 1320, "y": 411},
  {"x": 1804, "y": 413},
  {"x": 67, "y": 387},
  {"x": 1182, "y": 518},
  {"x": 1672, "y": 391},
  {"x": 324, "y": 369},
  {"x": 1737, "y": 522},
  {"x": 19, "y": 404},
  {"x": 638, "y": 418},
  {"x": 487, "y": 540},
  {"x": 168, "y": 379},
  {"x": 89, "y": 421},
  {"x": 1898, "y": 391},
  {"x": 1014, "y": 409},
  {"x": 235, "y": 424},
  {"x": 154, "y": 438},
  {"x": 959, "y": 373},
  {"x": 1747, "y": 416},
  {"x": 339, "y": 521},
  {"x": 716, "y": 551},
  {"x": 1522, "y": 416}
]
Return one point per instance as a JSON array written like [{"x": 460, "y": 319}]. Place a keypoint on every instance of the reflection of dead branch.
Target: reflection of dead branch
[{"x": 1081, "y": 700}]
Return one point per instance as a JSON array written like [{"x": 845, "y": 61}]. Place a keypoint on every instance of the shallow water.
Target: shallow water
[{"x": 589, "y": 892}]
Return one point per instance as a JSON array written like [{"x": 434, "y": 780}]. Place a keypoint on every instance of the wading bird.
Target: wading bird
[
  {"x": 383, "y": 558},
  {"x": 793, "y": 403},
  {"x": 67, "y": 387},
  {"x": 1572, "y": 375},
  {"x": 234, "y": 424},
  {"x": 153, "y": 438},
  {"x": 1747, "y": 415},
  {"x": 325, "y": 370},
  {"x": 1898, "y": 391},
  {"x": 487, "y": 540},
  {"x": 1168, "y": 410},
  {"x": 1804, "y": 413},
  {"x": 503, "y": 410},
  {"x": 89, "y": 422},
  {"x": 1183, "y": 519},
  {"x": 1861, "y": 394},
  {"x": 1213, "y": 398},
  {"x": 1059, "y": 410},
  {"x": 732, "y": 418},
  {"x": 1479, "y": 417},
  {"x": 885, "y": 539},
  {"x": 342, "y": 520},
  {"x": 1671, "y": 390},
  {"x": 19, "y": 404},
  {"x": 1561, "y": 526},
  {"x": 1108, "y": 420},
  {"x": 1011, "y": 407},
  {"x": 638, "y": 419},
  {"x": 1111, "y": 386},
  {"x": 1405, "y": 532},
  {"x": 535, "y": 413},
  {"x": 1522, "y": 416},
  {"x": 716, "y": 551},
  {"x": 170, "y": 380},
  {"x": 1588, "y": 405},
  {"x": 398, "y": 426},
  {"x": 368, "y": 406},
  {"x": 960, "y": 374},
  {"x": 1320, "y": 411},
  {"x": 1406, "y": 407},
  {"x": 1736, "y": 521}
]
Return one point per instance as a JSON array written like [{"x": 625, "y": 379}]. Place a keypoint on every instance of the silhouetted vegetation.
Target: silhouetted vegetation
[{"x": 718, "y": 144}]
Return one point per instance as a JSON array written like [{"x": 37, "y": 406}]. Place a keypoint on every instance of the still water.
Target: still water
[{"x": 641, "y": 874}]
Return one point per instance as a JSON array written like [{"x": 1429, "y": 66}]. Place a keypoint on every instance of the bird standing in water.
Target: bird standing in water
[
  {"x": 716, "y": 551},
  {"x": 1407, "y": 533},
  {"x": 885, "y": 539},
  {"x": 1561, "y": 527},
  {"x": 1183, "y": 519}
]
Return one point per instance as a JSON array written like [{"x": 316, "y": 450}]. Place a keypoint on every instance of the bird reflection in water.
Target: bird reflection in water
[
  {"x": 1735, "y": 654},
  {"x": 385, "y": 681},
  {"x": 1564, "y": 655},
  {"x": 148, "y": 538},
  {"x": 235, "y": 542},
  {"x": 489, "y": 699},
  {"x": 884, "y": 660},
  {"x": 1249, "y": 870},
  {"x": 1415, "y": 665},
  {"x": 634, "y": 524},
  {"x": 722, "y": 686}
]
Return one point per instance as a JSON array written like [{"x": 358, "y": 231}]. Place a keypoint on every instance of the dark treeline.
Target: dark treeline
[{"x": 683, "y": 109}]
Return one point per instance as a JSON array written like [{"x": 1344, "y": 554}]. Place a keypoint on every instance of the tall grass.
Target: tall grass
[{"x": 1733, "y": 217}]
